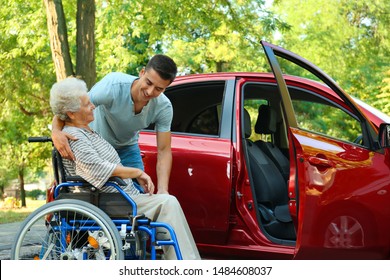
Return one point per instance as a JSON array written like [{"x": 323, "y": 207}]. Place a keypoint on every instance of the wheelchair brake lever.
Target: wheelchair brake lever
[{"x": 134, "y": 222}]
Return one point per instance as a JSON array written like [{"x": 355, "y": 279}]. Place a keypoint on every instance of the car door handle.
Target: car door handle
[
  {"x": 142, "y": 154},
  {"x": 320, "y": 162}
]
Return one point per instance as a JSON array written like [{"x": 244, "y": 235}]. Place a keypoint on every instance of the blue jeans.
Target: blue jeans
[{"x": 131, "y": 157}]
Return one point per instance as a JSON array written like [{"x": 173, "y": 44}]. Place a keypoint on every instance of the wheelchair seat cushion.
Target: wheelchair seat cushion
[{"x": 113, "y": 204}]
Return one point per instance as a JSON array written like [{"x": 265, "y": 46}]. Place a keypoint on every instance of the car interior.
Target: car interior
[{"x": 267, "y": 160}]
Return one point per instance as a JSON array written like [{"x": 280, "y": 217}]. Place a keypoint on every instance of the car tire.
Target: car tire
[{"x": 347, "y": 229}]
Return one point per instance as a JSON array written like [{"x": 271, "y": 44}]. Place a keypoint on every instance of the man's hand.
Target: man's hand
[
  {"x": 146, "y": 183},
  {"x": 60, "y": 141}
]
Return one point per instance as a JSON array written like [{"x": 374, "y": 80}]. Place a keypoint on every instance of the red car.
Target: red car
[{"x": 278, "y": 166}]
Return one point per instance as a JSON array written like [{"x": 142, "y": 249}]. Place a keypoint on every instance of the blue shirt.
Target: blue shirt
[{"x": 115, "y": 119}]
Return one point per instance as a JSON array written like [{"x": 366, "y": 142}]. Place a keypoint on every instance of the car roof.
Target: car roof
[
  {"x": 220, "y": 76},
  {"x": 376, "y": 117}
]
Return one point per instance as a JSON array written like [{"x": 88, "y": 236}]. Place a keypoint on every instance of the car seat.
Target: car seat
[
  {"x": 266, "y": 124},
  {"x": 270, "y": 189}
]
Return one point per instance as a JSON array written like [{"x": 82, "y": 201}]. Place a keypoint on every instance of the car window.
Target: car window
[
  {"x": 325, "y": 119},
  {"x": 207, "y": 122},
  {"x": 257, "y": 94},
  {"x": 197, "y": 107},
  {"x": 336, "y": 116}
]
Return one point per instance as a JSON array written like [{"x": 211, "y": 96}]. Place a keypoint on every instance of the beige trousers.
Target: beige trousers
[{"x": 166, "y": 208}]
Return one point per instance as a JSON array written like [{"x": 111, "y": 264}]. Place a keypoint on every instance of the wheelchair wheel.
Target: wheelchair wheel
[{"x": 67, "y": 229}]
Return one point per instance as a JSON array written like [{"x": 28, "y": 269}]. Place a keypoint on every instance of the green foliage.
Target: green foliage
[
  {"x": 348, "y": 39},
  {"x": 121, "y": 45},
  {"x": 12, "y": 215},
  {"x": 34, "y": 194},
  {"x": 11, "y": 202},
  {"x": 26, "y": 73},
  {"x": 383, "y": 97},
  {"x": 202, "y": 35},
  {"x": 223, "y": 36},
  {"x": 326, "y": 120}
]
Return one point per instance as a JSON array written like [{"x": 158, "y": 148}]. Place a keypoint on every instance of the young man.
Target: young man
[{"x": 126, "y": 104}]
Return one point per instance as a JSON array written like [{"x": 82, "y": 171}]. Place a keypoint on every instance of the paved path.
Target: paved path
[{"x": 7, "y": 234}]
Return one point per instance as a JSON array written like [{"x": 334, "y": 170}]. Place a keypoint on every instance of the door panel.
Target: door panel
[
  {"x": 339, "y": 187},
  {"x": 342, "y": 178},
  {"x": 201, "y": 150},
  {"x": 204, "y": 193}
]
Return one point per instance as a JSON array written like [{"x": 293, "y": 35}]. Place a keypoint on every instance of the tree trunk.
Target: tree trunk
[
  {"x": 85, "y": 41},
  {"x": 21, "y": 186},
  {"x": 220, "y": 66},
  {"x": 1, "y": 191},
  {"x": 56, "y": 24}
]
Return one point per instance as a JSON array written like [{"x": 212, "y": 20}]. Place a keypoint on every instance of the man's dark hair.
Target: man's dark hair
[{"x": 164, "y": 66}]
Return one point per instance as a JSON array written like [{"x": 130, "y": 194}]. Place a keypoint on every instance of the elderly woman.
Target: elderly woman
[{"x": 96, "y": 161}]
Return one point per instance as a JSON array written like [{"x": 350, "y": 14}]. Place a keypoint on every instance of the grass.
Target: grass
[{"x": 18, "y": 214}]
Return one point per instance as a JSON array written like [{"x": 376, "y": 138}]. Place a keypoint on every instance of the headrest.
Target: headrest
[
  {"x": 266, "y": 120},
  {"x": 247, "y": 124}
]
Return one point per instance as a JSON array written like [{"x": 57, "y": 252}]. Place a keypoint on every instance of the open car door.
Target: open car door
[{"x": 335, "y": 155}]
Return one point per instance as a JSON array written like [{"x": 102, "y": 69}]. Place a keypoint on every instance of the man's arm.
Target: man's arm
[
  {"x": 60, "y": 139},
  {"x": 164, "y": 161}
]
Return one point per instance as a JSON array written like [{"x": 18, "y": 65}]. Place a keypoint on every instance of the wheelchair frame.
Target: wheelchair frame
[{"x": 112, "y": 238}]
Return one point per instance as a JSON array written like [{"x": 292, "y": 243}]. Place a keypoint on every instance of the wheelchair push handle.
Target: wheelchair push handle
[{"x": 39, "y": 139}]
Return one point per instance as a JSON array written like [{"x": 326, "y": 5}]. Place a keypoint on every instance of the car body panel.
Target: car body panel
[
  {"x": 191, "y": 175},
  {"x": 334, "y": 184}
]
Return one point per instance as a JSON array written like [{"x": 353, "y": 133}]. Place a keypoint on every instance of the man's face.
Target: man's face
[{"x": 150, "y": 85}]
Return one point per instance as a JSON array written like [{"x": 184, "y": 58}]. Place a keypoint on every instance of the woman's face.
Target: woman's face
[{"x": 85, "y": 115}]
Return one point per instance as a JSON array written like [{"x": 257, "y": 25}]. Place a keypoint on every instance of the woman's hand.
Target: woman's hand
[{"x": 146, "y": 183}]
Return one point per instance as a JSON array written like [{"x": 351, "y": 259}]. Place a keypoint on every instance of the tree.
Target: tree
[
  {"x": 58, "y": 35},
  {"x": 25, "y": 77},
  {"x": 85, "y": 42},
  {"x": 17, "y": 154},
  {"x": 384, "y": 95},
  {"x": 210, "y": 36}
]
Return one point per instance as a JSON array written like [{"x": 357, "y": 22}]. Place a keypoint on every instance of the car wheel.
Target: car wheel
[
  {"x": 347, "y": 231},
  {"x": 344, "y": 232}
]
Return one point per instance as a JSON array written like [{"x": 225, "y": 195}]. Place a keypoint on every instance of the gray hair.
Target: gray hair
[{"x": 65, "y": 96}]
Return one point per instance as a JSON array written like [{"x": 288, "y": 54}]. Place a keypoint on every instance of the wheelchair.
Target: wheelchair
[{"x": 81, "y": 223}]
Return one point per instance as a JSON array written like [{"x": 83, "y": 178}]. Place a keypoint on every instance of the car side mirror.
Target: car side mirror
[{"x": 384, "y": 135}]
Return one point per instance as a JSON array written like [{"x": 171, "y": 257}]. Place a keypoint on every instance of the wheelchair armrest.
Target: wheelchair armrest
[
  {"x": 117, "y": 180},
  {"x": 75, "y": 179},
  {"x": 80, "y": 179}
]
